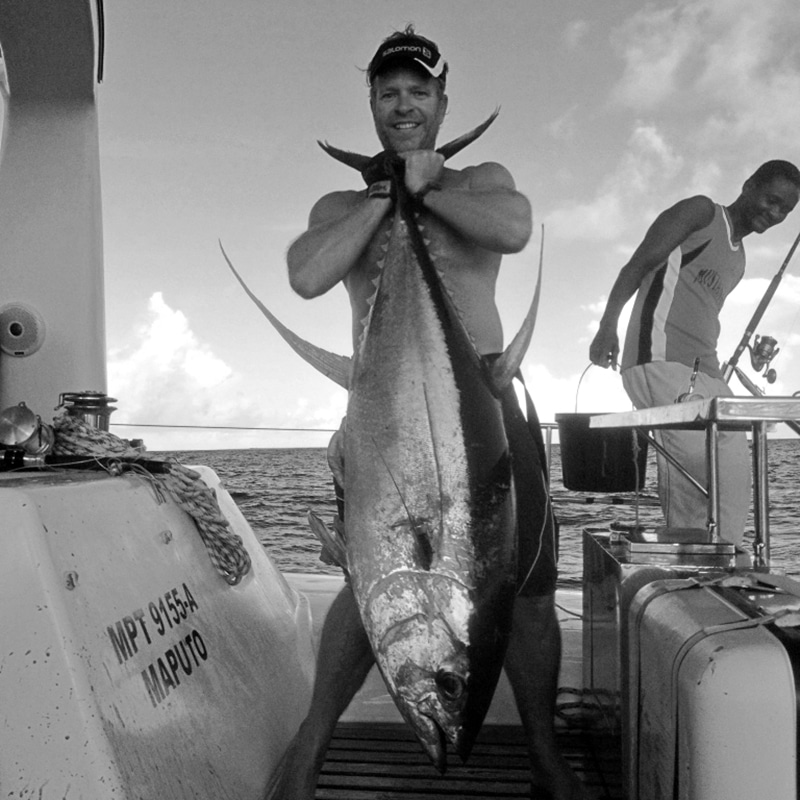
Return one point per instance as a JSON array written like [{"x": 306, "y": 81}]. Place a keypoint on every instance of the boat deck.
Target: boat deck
[
  {"x": 375, "y": 756},
  {"x": 385, "y": 762}
]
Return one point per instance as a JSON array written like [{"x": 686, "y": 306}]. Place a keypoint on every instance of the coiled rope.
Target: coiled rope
[{"x": 75, "y": 437}]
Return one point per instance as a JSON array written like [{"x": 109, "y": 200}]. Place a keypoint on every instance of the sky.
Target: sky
[{"x": 611, "y": 111}]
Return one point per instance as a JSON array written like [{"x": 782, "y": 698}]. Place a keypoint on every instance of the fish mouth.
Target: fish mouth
[
  {"x": 448, "y": 699},
  {"x": 434, "y": 743},
  {"x": 436, "y": 738}
]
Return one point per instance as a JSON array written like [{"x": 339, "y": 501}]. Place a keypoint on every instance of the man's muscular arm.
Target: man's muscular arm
[
  {"x": 340, "y": 226},
  {"x": 484, "y": 206}
]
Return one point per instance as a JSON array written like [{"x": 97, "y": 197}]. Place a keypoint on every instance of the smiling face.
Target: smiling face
[
  {"x": 767, "y": 204},
  {"x": 408, "y": 108}
]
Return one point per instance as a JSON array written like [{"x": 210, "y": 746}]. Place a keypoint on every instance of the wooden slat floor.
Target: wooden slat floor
[{"x": 385, "y": 762}]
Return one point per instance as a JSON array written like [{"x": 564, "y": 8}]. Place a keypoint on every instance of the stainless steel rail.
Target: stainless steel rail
[{"x": 712, "y": 416}]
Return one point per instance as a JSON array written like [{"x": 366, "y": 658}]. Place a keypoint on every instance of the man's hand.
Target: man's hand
[
  {"x": 424, "y": 170},
  {"x": 604, "y": 349}
]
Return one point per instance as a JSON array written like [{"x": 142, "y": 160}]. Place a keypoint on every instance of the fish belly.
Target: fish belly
[{"x": 430, "y": 517}]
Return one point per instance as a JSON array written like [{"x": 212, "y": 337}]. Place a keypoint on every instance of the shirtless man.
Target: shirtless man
[{"x": 472, "y": 217}]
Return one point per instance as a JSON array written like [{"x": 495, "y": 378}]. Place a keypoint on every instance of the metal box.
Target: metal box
[
  {"x": 711, "y": 697},
  {"x": 612, "y": 575}
]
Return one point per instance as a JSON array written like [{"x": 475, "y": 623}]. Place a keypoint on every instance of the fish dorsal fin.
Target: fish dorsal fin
[
  {"x": 331, "y": 365},
  {"x": 505, "y": 368},
  {"x": 360, "y": 163}
]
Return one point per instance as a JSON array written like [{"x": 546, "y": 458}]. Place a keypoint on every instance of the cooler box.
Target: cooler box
[{"x": 711, "y": 700}]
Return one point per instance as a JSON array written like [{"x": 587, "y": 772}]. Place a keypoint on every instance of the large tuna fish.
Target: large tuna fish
[{"x": 430, "y": 513}]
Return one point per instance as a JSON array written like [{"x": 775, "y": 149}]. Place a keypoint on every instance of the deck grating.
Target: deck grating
[{"x": 381, "y": 761}]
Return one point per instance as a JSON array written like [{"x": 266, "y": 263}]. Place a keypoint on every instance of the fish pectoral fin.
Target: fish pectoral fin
[
  {"x": 331, "y": 365},
  {"x": 332, "y": 540}
]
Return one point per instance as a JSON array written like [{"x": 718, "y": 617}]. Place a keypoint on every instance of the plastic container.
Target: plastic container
[{"x": 602, "y": 459}]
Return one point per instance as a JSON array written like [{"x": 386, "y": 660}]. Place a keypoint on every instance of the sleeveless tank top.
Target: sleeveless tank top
[{"x": 676, "y": 312}]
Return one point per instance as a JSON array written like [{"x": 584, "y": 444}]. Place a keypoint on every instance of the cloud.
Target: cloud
[
  {"x": 649, "y": 160},
  {"x": 167, "y": 370},
  {"x": 564, "y": 127},
  {"x": 576, "y": 32},
  {"x": 327, "y": 414},
  {"x": 596, "y": 309},
  {"x": 733, "y": 63},
  {"x": 780, "y": 321},
  {"x": 600, "y": 219},
  {"x": 596, "y": 390},
  {"x": 655, "y": 43},
  {"x": 703, "y": 98},
  {"x": 167, "y": 376}
]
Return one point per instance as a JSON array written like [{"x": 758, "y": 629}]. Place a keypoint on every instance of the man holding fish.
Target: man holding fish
[{"x": 469, "y": 218}]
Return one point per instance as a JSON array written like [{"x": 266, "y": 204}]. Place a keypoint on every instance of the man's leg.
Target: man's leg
[
  {"x": 343, "y": 663},
  {"x": 735, "y": 474},
  {"x": 683, "y": 504},
  {"x": 532, "y": 663},
  {"x": 659, "y": 384}
]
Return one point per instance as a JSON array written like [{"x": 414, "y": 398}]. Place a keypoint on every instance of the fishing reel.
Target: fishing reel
[{"x": 762, "y": 351}]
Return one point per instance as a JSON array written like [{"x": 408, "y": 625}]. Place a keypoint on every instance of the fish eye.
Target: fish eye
[{"x": 450, "y": 684}]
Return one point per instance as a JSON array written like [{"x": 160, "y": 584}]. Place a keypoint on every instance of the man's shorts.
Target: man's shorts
[{"x": 537, "y": 528}]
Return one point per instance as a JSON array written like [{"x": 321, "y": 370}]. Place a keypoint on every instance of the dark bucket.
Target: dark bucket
[{"x": 602, "y": 459}]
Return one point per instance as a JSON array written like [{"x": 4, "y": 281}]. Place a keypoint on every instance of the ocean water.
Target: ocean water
[{"x": 275, "y": 489}]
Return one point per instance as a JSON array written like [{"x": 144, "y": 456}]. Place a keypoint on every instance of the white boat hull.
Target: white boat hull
[{"x": 130, "y": 667}]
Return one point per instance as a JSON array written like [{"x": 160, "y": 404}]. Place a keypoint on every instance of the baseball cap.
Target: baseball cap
[{"x": 408, "y": 47}]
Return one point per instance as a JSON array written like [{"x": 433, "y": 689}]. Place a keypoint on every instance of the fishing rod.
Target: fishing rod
[{"x": 763, "y": 350}]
